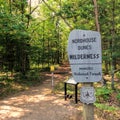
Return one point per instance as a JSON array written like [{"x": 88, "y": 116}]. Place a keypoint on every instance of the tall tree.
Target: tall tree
[
  {"x": 96, "y": 15},
  {"x": 13, "y": 37}
]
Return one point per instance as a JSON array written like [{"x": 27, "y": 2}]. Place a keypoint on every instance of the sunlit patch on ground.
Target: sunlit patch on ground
[
  {"x": 9, "y": 111},
  {"x": 40, "y": 103}
]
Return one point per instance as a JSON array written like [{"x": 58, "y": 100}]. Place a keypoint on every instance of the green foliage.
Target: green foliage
[
  {"x": 60, "y": 88},
  {"x": 79, "y": 14},
  {"x": 109, "y": 31},
  {"x": 32, "y": 78},
  {"x": 30, "y": 37},
  {"x": 103, "y": 94},
  {"x": 9, "y": 87},
  {"x": 118, "y": 75},
  {"x": 19, "y": 82},
  {"x": 14, "y": 40},
  {"x": 118, "y": 96},
  {"x": 105, "y": 107}
]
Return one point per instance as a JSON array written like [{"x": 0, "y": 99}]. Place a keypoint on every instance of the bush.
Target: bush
[
  {"x": 103, "y": 94},
  {"x": 118, "y": 97},
  {"x": 31, "y": 78}
]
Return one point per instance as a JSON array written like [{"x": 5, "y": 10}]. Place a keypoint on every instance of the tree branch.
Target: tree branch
[
  {"x": 31, "y": 11},
  {"x": 35, "y": 7},
  {"x": 57, "y": 14}
]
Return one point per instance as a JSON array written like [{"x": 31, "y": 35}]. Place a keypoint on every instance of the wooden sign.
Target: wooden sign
[{"x": 84, "y": 52}]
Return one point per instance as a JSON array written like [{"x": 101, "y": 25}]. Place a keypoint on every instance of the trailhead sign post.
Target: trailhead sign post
[{"x": 84, "y": 53}]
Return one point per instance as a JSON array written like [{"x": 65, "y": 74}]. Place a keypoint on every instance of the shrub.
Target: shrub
[
  {"x": 103, "y": 94},
  {"x": 118, "y": 97}
]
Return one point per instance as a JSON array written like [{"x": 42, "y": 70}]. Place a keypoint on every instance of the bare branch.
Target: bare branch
[{"x": 31, "y": 11}]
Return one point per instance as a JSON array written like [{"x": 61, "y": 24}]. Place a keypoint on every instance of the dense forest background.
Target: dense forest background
[{"x": 35, "y": 36}]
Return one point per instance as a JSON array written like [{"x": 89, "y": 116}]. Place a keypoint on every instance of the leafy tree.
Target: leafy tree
[
  {"x": 39, "y": 34},
  {"x": 13, "y": 40},
  {"x": 109, "y": 22}
]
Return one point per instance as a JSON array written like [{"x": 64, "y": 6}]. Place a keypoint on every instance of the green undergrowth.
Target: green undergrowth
[
  {"x": 106, "y": 98},
  {"x": 60, "y": 88},
  {"x": 106, "y": 112},
  {"x": 107, "y": 102},
  {"x": 11, "y": 83},
  {"x": 103, "y": 94},
  {"x": 106, "y": 107},
  {"x": 18, "y": 82},
  {"x": 117, "y": 74}
]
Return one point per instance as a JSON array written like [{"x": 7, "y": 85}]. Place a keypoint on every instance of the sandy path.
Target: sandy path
[{"x": 39, "y": 103}]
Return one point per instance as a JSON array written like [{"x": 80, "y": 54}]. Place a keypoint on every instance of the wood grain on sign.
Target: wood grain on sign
[{"x": 84, "y": 52}]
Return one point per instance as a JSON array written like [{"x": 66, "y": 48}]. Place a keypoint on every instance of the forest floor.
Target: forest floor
[{"x": 41, "y": 103}]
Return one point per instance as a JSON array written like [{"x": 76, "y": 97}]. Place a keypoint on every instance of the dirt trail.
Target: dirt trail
[{"x": 39, "y": 103}]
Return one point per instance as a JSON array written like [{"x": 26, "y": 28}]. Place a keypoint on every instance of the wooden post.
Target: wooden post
[
  {"x": 52, "y": 70},
  {"x": 86, "y": 64},
  {"x": 88, "y": 109}
]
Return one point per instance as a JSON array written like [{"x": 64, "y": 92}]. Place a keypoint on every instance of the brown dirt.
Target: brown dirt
[{"x": 40, "y": 103}]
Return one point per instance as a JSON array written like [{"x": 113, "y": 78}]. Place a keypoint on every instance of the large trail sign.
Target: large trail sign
[{"x": 84, "y": 52}]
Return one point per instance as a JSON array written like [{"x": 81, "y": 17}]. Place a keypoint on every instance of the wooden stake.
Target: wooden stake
[{"x": 88, "y": 109}]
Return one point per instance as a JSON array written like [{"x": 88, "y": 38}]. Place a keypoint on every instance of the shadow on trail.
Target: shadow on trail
[{"x": 38, "y": 103}]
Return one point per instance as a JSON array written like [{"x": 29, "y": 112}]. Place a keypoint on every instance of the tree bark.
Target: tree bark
[
  {"x": 96, "y": 15},
  {"x": 112, "y": 45}
]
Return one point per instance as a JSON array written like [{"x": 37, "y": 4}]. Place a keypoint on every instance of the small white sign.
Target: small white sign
[
  {"x": 87, "y": 95},
  {"x": 84, "y": 52}
]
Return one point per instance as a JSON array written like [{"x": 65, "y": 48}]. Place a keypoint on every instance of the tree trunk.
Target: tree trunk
[
  {"x": 96, "y": 15},
  {"x": 112, "y": 45}
]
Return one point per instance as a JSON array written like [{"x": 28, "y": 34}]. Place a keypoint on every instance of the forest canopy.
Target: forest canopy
[{"x": 38, "y": 34}]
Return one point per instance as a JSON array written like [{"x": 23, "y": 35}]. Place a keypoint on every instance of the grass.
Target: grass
[
  {"x": 106, "y": 112},
  {"x": 106, "y": 107}
]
